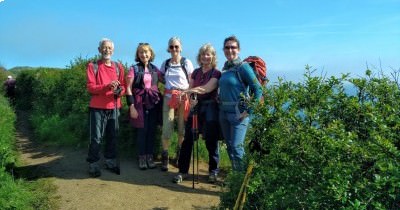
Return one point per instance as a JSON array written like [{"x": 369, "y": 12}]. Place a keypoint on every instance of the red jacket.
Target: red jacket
[{"x": 102, "y": 97}]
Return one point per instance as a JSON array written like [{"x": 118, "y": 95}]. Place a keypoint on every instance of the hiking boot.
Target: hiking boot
[
  {"x": 142, "y": 162},
  {"x": 150, "y": 162},
  {"x": 180, "y": 177},
  {"x": 212, "y": 178},
  {"x": 111, "y": 165},
  {"x": 94, "y": 170},
  {"x": 164, "y": 161}
]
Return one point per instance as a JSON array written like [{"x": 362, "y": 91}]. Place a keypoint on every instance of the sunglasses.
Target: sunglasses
[
  {"x": 143, "y": 43},
  {"x": 174, "y": 46},
  {"x": 230, "y": 47}
]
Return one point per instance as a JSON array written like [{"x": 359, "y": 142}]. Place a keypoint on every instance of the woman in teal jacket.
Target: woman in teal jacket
[{"x": 234, "y": 114}]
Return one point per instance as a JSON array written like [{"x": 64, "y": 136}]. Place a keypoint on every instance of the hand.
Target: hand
[
  {"x": 193, "y": 102},
  {"x": 114, "y": 84},
  {"x": 133, "y": 112},
  {"x": 243, "y": 115}
]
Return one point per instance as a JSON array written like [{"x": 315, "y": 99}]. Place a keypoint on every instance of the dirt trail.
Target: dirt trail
[{"x": 133, "y": 189}]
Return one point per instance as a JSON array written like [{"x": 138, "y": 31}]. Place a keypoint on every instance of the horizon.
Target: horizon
[{"x": 333, "y": 37}]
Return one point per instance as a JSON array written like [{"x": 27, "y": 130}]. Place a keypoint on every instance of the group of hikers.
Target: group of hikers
[{"x": 206, "y": 97}]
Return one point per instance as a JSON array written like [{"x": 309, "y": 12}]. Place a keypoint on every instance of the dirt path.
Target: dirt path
[{"x": 133, "y": 189}]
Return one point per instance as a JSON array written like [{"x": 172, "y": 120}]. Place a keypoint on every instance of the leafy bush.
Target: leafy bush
[
  {"x": 327, "y": 149},
  {"x": 7, "y": 134},
  {"x": 58, "y": 101},
  {"x": 17, "y": 194}
]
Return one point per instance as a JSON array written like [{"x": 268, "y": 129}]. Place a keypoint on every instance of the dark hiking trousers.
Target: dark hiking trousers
[
  {"x": 210, "y": 133},
  {"x": 146, "y": 136},
  {"x": 102, "y": 123}
]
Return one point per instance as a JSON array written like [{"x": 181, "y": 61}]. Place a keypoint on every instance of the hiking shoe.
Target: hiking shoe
[
  {"x": 111, "y": 165},
  {"x": 150, "y": 161},
  {"x": 164, "y": 161},
  {"x": 142, "y": 162},
  {"x": 94, "y": 170},
  {"x": 180, "y": 177},
  {"x": 212, "y": 178}
]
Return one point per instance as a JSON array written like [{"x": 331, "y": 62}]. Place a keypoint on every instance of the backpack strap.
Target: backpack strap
[
  {"x": 182, "y": 62},
  {"x": 96, "y": 68},
  {"x": 237, "y": 68},
  {"x": 139, "y": 72},
  {"x": 154, "y": 74}
]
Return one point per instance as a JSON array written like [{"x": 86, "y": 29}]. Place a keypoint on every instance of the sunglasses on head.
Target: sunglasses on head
[
  {"x": 143, "y": 43},
  {"x": 174, "y": 46},
  {"x": 230, "y": 47}
]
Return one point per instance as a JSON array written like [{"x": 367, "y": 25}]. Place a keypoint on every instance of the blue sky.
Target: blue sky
[{"x": 341, "y": 36}]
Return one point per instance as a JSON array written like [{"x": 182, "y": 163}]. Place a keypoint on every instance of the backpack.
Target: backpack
[
  {"x": 183, "y": 59},
  {"x": 139, "y": 74},
  {"x": 259, "y": 68},
  {"x": 96, "y": 68}
]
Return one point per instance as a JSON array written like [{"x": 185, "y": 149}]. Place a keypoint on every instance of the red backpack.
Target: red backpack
[{"x": 259, "y": 67}]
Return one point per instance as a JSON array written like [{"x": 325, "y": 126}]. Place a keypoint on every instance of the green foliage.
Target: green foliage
[
  {"x": 7, "y": 134},
  {"x": 58, "y": 101},
  {"x": 327, "y": 149},
  {"x": 17, "y": 194}
]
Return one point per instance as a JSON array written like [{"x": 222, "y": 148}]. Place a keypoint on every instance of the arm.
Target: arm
[
  {"x": 250, "y": 79},
  {"x": 129, "y": 93},
  {"x": 91, "y": 84},
  {"x": 208, "y": 87}
]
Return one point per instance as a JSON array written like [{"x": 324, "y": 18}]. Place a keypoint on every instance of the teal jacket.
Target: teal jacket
[{"x": 232, "y": 91}]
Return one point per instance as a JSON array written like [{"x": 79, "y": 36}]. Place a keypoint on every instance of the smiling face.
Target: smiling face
[
  {"x": 206, "y": 58},
  {"x": 174, "y": 48},
  {"x": 106, "y": 50},
  {"x": 231, "y": 50},
  {"x": 144, "y": 54}
]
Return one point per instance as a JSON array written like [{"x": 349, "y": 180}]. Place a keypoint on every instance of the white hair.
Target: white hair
[
  {"x": 173, "y": 39},
  {"x": 105, "y": 40}
]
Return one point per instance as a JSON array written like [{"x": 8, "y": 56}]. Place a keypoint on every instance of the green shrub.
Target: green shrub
[
  {"x": 327, "y": 149},
  {"x": 7, "y": 134}
]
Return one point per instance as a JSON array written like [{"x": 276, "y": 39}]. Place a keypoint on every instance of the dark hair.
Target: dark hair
[{"x": 232, "y": 38}]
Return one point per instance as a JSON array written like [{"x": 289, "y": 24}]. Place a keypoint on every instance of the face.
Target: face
[
  {"x": 174, "y": 48},
  {"x": 144, "y": 54},
  {"x": 106, "y": 50},
  {"x": 231, "y": 50},
  {"x": 206, "y": 58}
]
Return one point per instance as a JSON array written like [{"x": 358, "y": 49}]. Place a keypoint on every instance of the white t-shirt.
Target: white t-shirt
[{"x": 175, "y": 77}]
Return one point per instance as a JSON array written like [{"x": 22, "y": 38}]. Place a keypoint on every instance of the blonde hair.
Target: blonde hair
[
  {"x": 144, "y": 46},
  {"x": 207, "y": 48}
]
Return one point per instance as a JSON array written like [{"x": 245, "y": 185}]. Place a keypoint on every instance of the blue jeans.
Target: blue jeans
[
  {"x": 234, "y": 131},
  {"x": 146, "y": 135},
  {"x": 102, "y": 123}
]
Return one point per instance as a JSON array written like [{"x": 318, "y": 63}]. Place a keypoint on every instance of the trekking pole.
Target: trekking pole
[
  {"x": 241, "y": 199},
  {"x": 194, "y": 132},
  {"x": 117, "y": 169},
  {"x": 197, "y": 140}
]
